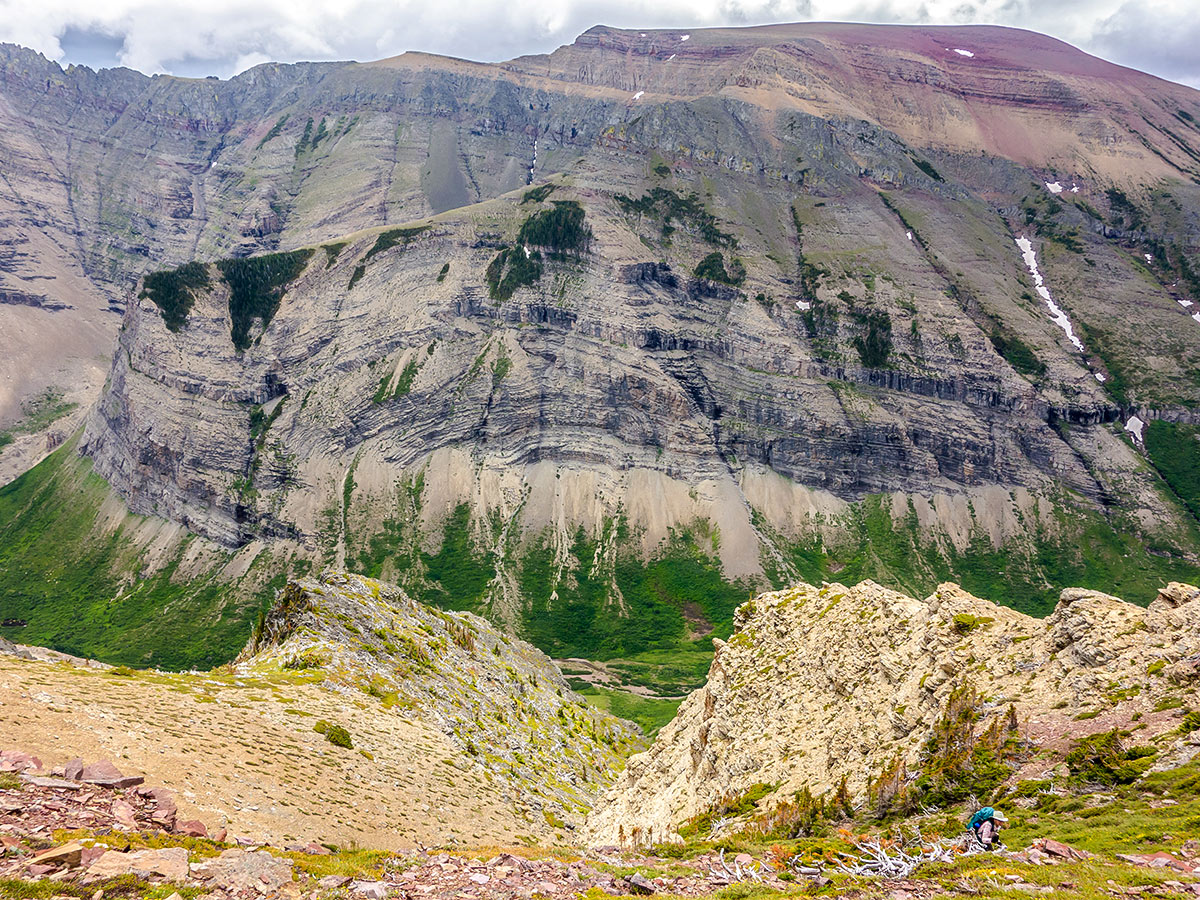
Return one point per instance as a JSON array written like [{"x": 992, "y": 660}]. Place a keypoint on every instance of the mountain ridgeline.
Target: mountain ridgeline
[{"x": 598, "y": 344}]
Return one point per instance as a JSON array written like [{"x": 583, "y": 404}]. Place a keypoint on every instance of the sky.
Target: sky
[{"x": 224, "y": 37}]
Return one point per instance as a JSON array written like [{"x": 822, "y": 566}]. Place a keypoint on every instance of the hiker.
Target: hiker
[{"x": 985, "y": 826}]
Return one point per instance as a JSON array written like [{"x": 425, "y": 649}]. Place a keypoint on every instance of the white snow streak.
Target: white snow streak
[
  {"x": 967, "y": 53},
  {"x": 533, "y": 164},
  {"x": 1196, "y": 316},
  {"x": 1136, "y": 427},
  {"x": 1056, "y": 314},
  {"x": 909, "y": 234},
  {"x": 684, "y": 38},
  {"x": 1100, "y": 377},
  {"x": 671, "y": 57},
  {"x": 638, "y": 95},
  {"x": 1149, "y": 258},
  {"x": 1054, "y": 187},
  {"x": 1185, "y": 303},
  {"x": 803, "y": 305}
]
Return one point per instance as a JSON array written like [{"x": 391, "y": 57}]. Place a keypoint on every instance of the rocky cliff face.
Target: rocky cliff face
[
  {"x": 823, "y": 683},
  {"x": 798, "y": 336}
]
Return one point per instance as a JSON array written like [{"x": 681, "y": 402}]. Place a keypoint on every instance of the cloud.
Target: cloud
[{"x": 223, "y": 37}]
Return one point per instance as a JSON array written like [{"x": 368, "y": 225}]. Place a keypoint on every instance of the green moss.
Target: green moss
[
  {"x": 333, "y": 251},
  {"x": 256, "y": 288},
  {"x": 174, "y": 291}
]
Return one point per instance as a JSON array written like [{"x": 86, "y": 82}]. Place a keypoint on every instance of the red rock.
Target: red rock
[
  {"x": 192, "y": 828},
  {"x": 17, "y": 761},
  {"x": 90, "y": 855},
  {"x": 100, "y": 771},
  {"x": 316, "y": 850},
  {"x": 73, "y": 770},
  {"x": 124, "y": 814},
  {"x": 38, "y": 869}
]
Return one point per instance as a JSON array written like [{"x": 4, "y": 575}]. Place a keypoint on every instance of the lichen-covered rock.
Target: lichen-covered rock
[{"x": 817, "y": 684}]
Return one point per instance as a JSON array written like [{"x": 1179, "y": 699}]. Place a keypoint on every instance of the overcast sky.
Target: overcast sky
[{"x": 224, "y": 37}]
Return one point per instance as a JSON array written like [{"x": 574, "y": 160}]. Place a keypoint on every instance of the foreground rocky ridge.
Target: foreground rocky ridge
[
  {"x": 821, "y": 684},
  {"x": 359, "y": 715}
]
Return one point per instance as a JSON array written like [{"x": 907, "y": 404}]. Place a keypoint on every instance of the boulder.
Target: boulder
[
  {"x": 242, "y": 870},
  {"x": 69, "y": 854},
  {"x": 73, "y": 770},
  {"x": 170, "y": 864},
  {"x": 192, "y": 828},
  {"x": 371, "y": 890}
]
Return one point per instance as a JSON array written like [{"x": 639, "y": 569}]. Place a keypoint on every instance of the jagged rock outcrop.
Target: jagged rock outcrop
[{"x": 817, "y": 684}]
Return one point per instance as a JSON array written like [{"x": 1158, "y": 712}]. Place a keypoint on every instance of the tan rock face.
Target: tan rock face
[{"x": 821, "y": 683}]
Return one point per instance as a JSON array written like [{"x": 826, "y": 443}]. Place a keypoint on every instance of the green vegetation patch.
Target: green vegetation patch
[
  {"x": 173, "y": 291},
  {"x": 560, "y": 229},
  {"x": 668, "y": 208},
  {"x": 712, "y": 268},
  {"x": 394, "y": 237},
  {"x": 513, "y": 268},
  {"x": 39, "y": 413},
  {"x": 62, "y": 571},
  {"x": 1175, "y": 451},
  {"x": 1017, "y": 353},
  {"x": 538, "y": 194},
  {"x": 874, "y": 344},
  {"x": 650, "y": 713},
  {"x": 256, "y": 288},
  {"x": 1104, "y": 759}
]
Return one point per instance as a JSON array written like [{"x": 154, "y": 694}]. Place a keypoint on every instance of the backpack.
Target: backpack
[{"x": 980, "y": 817}]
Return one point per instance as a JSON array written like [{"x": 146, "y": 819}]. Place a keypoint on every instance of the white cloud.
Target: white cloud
[{"x": 225, "y": 36}]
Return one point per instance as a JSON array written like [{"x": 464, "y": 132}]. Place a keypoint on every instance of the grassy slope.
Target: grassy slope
[{"x": 66, "y": 576}]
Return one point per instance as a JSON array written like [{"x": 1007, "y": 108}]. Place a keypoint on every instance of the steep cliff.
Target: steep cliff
[{"x": 735, "y": 341}]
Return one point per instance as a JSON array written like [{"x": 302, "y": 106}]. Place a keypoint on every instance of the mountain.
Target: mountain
[
  {"x": 600, "y": 343},
  {"x": 821, "y": 687}
]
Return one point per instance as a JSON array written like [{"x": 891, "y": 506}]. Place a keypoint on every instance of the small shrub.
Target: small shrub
[
  {"x": 122, "y": 671},
  {"x": 512, "y": 268},
  {"x": 1102, "y": 759},
  {"x": 442, "y": 274},
  {"x": 1156, "y": 667},
  {"x": 394, "y": 237},
  {"x": 1190, "y": 723},
  {"x": 965, "y": 623},
  {"x": 339, "y": 737}
]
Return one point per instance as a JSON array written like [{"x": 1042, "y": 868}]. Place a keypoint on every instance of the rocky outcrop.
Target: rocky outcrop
[
  {"x": 817, "y": 684},
  {"x": 503, "y": 702}
]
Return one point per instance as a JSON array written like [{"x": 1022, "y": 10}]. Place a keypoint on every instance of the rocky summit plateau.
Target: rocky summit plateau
[{"x": 425, "y": 478}]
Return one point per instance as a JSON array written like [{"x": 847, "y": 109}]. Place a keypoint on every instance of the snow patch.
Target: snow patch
[
  {"x": 1196, "y": 316},
  {"x": 967, "y": 53},
  {"x": 1056, "y": 314},
  {"x": 1074, "y": 189},
  {"x": 1054, "y": 187},
  {"x": 1184, "y": 303},
  {"x": 908, "y": 234},
  {"x": 1100, "y": 377},
  {"x": 638, "y": 95},
  {"x": 1149, "y": 258},
  {"x": 671, "y": 57},
  {"x": 1136, "y": 427},
  {"x": 527, "y": 253},
  {"x": 533, "y": 164},
  {"x": 803, "y": 305},
  {"x": 684, "y": 38}
]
